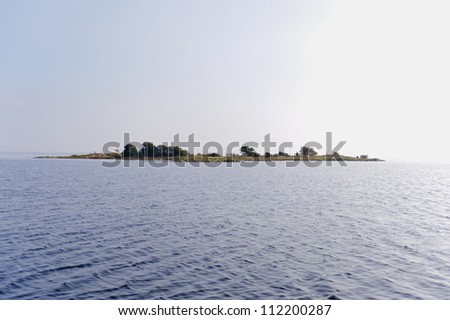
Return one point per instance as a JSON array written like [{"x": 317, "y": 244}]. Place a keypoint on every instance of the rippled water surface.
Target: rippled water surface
[{"x": 70, "y": 229}]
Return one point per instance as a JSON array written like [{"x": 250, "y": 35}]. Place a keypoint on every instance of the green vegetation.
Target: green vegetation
[
  {"x": 249, "y": 151},
  {"x": 130, "y": 151},
  {"x": 149, "y": 150}
]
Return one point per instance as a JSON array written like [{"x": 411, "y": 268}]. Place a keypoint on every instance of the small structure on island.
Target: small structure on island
[
  {"x": 364, "y": 157},
  {"x": 306, "y": 151}
]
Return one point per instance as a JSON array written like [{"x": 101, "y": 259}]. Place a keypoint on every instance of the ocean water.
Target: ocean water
[{"x": 71, "y": 229}]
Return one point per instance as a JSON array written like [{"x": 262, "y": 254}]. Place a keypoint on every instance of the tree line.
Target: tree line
[{"x": 150, "y": 150}]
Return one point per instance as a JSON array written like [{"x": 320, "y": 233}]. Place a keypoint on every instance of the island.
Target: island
[{"x": 177, "y": 154}]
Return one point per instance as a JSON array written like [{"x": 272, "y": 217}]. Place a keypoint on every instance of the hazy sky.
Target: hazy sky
[{"x": 76, "y": 74}]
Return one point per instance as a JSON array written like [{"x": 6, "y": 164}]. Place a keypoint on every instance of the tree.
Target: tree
[
  {"x": 178, "y": 152},
  {"x": 164, "y": 150},
  {"x": 249, "y": 151},
  {"x": 130, "y": 151},
  {"x": 148, "y": 150}
]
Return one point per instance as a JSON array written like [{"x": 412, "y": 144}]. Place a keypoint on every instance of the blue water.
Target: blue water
[{"x": 70, "y": 229}]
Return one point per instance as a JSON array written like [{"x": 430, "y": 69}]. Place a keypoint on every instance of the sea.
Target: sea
[{"x": 74, "y": 229}]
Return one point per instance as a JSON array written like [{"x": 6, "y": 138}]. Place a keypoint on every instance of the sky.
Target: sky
[{"x": 77, "y": 74}]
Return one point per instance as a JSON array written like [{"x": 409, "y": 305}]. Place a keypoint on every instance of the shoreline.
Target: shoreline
[{"x": 208, "y": 158}]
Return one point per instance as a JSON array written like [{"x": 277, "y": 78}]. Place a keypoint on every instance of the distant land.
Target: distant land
[
  {"x": 209, "y": 158},
  {"x": 162, "y": 152}
]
